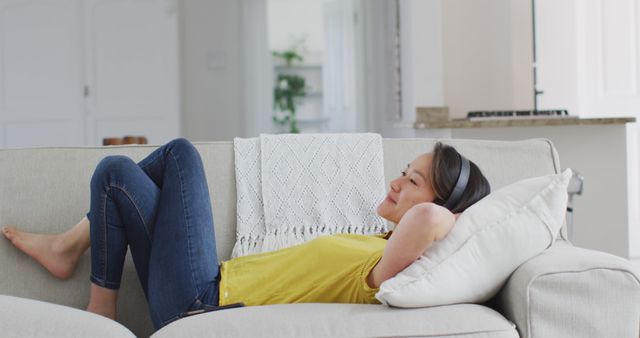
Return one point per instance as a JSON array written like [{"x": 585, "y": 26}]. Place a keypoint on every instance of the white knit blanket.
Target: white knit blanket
[{"x": 292, "y": 188}]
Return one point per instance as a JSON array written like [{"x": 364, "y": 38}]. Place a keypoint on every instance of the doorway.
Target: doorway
[{"x": 348, "y": 61}]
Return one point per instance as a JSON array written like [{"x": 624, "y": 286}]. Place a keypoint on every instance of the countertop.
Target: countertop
[{"x": 520, "y": 122}]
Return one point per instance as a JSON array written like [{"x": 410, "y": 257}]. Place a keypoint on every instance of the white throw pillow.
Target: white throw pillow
[{"x": 487, "y": 243}]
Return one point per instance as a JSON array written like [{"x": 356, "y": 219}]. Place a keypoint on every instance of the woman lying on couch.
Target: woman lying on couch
[{"x": 160, "y": 208}]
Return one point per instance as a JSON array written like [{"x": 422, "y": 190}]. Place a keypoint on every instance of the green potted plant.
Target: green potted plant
[
  {"x": 289, "y": 56},
  {"x": 288, "y": 89}
]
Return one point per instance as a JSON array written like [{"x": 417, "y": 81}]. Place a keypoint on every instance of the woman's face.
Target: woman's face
[{"x": 412, "y": 187}]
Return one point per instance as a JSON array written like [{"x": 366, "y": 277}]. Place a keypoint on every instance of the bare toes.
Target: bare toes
[
  {"x": 9, "y": 232},
  {"x": 41, "y": 248}
]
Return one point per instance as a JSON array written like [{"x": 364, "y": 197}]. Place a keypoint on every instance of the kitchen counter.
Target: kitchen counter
[{"x": 520, "y": 122}]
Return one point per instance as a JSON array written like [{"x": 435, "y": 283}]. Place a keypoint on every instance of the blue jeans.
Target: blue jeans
[{"x": 160, "y": 208}]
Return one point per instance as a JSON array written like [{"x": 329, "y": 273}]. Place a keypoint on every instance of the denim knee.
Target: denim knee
[
  {"x": 181, "y": 145},
  {"x": 110, "y": 167}
]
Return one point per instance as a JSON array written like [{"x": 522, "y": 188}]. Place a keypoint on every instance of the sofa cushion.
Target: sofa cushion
[
  {"x": 488, "y": 242},
  {"x": 343, "y": 320},
  {"x": 21, "y": 317}
]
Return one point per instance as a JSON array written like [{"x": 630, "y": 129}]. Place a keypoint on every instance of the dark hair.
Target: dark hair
[{"x": 445, "y": 169}]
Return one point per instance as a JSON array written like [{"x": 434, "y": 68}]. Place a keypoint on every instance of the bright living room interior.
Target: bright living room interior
[{"x": 204, "y": 70}]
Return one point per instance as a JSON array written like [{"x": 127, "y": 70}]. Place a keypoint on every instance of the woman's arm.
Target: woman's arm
[{"x": 417, "y": 229}]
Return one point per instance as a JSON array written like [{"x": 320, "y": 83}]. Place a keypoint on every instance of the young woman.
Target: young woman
[{"x": 160, "y": 209}]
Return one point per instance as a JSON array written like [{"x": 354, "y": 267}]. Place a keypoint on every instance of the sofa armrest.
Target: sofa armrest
[{"x": 573, "y": 292}]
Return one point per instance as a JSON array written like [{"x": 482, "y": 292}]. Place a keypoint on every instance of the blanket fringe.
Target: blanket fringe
[
  {"x": 247, "y": 245},
  {"x": 279, "y": 238},
  {"x": 284, "y": 237}
]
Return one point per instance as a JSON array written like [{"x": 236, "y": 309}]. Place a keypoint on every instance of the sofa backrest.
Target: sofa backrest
[{"x": 47, "y": 190}]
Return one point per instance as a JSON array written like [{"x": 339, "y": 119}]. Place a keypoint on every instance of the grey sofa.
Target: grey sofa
[{"x": 564, "y": 292}]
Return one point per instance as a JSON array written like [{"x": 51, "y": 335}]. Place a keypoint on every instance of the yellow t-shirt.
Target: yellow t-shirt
[{"x": 327, "y": 269}]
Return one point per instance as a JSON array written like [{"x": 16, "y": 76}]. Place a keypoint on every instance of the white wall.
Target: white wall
[
  {"x": 289, "y": 20},
  {"x": 422, "y": 60},
  {"x": 380, "y": 71},
  {"x": 211, "y": 65},
  {"x": 556, "y": 31},
  {"x": 467, "y": 55},
  {"x": 486, "y": 48},
  {"x": 421, "y": 64},
  {"x": 257, "y": 68}
]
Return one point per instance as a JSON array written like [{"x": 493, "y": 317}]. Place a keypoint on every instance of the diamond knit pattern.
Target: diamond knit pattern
[
  {"x": 298, "y": 187},
  {"x": 250, "y": 228}
]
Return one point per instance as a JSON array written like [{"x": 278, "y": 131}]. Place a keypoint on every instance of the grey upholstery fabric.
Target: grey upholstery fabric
[
  {"x": 343, "y": 320},
  {"x": 21, "y": 317},
  {"x": 573, "y": 292},
  {"x": 47, "y": 190}
]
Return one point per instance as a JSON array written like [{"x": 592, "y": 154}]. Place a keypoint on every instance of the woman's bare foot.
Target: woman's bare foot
[{"x": 48, "y": 250}]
